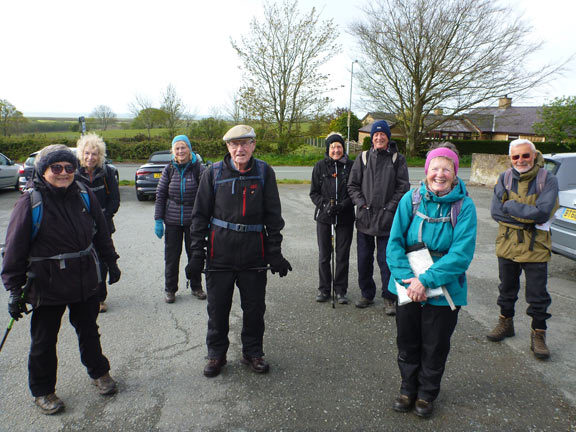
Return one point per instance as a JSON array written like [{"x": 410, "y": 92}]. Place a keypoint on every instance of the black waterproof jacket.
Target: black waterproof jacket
[
  {"x": 238, "y": 201},
  {"x": 176, "y": 193},
  {"x": 377, "y": 188},
  {"x": 325, "y": 175},
  {"x": 104, "y": 185},
  {"x": 66, "y": 227}
]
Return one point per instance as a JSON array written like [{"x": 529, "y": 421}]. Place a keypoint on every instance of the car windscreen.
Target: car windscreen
[{"x": 160, "y": 158}]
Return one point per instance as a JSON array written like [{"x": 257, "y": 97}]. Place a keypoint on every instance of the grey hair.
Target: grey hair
[
  {"x": 520, "y": 142},
  {"x": 91, "y": 141}
]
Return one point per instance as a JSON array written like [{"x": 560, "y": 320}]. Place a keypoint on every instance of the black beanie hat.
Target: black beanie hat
[
  {"x": 61, "y": 154},
  {"x": 332, "y": 139}
]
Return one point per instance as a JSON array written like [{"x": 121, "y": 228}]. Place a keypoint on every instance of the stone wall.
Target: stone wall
[{"x": 486, "y": 168}]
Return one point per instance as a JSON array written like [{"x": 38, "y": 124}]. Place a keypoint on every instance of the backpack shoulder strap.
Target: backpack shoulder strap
[
  {"x": 455, "y": 211},
  {"x": 261, "y": 169},
  {"x": 541, "y": 179},
  {"x": 84, "y": 195},
  {"x": 508, "y": 179},
  {"x": 416, "y": 198},
  {"x": 217, "y": 169},
  {"x": 36, "y": 209},
  {"x": 196, "y": 172},
  {"x": 364, "y": 157}
]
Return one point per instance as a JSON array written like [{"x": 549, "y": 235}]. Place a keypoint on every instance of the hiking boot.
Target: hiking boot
[
  {"x": 423, "y": 408},
  {"x": 106, "y": 385},
  {"x": 103, "y": 307},
  {"x": 342, "y": 299},
  {"x": 389, "y": 307},
  {"x": 504, "y": 329},
  {"x": 257, "y": 364},
  {"x": 403, "y": 403},
  {"x": 322, "y": 297},
  {"x": 214, "y": 367},
  {"x": 538, "y": 344},
  {"x": 199, "y": 293},
  {"x": 49, "y": 404},
  {"x": 170, "y": 297},
  {"x": 364, "y": 303}
]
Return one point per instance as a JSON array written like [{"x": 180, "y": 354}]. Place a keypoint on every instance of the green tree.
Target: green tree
[
  {"x": 282, "y": 59},
  {"x": 209, "y": 128},
  {"x": 418, "y": 55},
  {"x": 340, "y": 124},
  {"x": 153, "y": 117},
  {"x": 558, "y": 122},
  {"x": 10, "y": 118}
]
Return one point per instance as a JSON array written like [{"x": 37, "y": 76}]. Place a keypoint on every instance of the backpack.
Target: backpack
[
  {"x": 455, "y": 208},
  {"x": 195, "y": 171},
  {"x": 540, "y": 179},
  {"x": 260, "y": 169},
  {"x": 37, "y": 210},
  {"x": 365, "y": 162}
]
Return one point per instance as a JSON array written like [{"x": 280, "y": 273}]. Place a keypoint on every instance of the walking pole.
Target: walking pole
[{"x": 335, "y": 201}]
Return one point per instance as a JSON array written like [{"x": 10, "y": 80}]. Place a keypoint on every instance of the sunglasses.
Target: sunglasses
[
  {"x": 524, "y": 156},
  {"x": 57, "y": 169}
]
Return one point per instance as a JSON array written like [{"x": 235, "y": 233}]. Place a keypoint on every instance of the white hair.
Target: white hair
[{"x": 520, "y": 142}]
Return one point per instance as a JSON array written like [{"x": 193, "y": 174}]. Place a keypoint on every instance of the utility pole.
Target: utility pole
[{"x": 350, "y": 107}]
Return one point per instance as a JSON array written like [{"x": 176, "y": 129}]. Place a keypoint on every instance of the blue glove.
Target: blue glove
[{"x": 159, "y": 228}]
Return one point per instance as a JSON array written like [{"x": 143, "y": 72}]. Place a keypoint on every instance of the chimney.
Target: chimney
[
  {"x": 438, "y": 111},
  {"x": 504, "y": 102}
]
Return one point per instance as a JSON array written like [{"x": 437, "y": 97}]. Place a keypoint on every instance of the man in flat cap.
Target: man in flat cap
[{"x": 236, "y": 224}]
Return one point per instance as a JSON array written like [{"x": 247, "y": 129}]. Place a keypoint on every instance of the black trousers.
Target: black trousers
[
  {"x": 365, "y": 250},
  {"x": 220, "y": 289},
  {"x": 343, "y": 240},
  {"x": 173, "y": 236},
  {"x": 44, "y": 328},
  {"x": 537, "y": 296},
  {"x": 423, "y": 342}
]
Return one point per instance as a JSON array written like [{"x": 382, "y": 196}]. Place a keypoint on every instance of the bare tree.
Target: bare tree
[
  {"x": 142, "y": 108},
  {"x": 234, "y": 108},
  {"x": 281, "y": 59},
  {"x": 419, "y": 55},
  {"x": 104, "y": 115},
  {"x": 174, "y": 108},
  {"x": 10, "y": 117}
]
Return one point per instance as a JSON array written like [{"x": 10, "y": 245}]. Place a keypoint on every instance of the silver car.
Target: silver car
[
  {"x": 563, "y": 228},
  {"x": 8, "y": 173}
]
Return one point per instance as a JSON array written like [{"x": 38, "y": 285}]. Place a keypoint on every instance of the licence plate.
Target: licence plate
[
  {"x": 569, "y": 214},
  {"x": 157, "y": 175}
]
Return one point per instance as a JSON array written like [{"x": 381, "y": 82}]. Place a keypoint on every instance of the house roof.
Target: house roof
[{"x": 512, "y": 120}]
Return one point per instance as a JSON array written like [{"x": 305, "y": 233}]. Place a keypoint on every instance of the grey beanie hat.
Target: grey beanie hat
[{"x": 52, "y": 154}]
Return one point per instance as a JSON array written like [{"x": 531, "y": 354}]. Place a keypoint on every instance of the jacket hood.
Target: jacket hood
[
  {"x": 392, "y": 147},
  {"x": 343, "y": 160}
]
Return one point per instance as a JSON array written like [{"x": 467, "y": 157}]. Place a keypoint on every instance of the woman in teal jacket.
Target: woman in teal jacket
[{"x": 443, "y": 217}]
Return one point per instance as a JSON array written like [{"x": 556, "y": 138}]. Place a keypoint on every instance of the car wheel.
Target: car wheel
[{"x": 141, "y": 197}]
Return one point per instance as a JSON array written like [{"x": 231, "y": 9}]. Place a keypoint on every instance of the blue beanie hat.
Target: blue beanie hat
[
  {"x": 182, "y": 138},
  {"x": 380, "y": 126}
]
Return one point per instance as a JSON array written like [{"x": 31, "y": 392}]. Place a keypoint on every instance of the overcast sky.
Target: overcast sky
[{"x": 66, "y": 56}]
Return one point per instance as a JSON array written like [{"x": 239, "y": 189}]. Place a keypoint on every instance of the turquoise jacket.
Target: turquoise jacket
[{"x": 457, "y": 243}]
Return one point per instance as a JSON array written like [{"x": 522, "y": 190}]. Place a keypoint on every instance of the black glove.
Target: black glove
[
  {"x": 114, "y": 273},
  {"x": 333, "y": 209},
  {"x": 194, "y": 267},
  {"x": 281, "y": 265},
  {"x": 16, "y": 304}
]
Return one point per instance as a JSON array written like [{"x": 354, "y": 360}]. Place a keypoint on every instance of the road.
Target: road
[{"x": 331, "y": 369}]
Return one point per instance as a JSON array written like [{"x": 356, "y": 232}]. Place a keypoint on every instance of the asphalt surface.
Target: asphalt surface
[{"x": 331, "y": 369}]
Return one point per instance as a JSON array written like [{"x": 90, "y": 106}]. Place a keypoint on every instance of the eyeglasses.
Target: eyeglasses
[
  {"x": 57, "y": 168},
  {"x": 236, "y": 144},
  {"x": 524, "y": 156}
]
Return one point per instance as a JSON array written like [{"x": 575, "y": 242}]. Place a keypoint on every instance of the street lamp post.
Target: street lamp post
[{"x": 350, "y": 107}]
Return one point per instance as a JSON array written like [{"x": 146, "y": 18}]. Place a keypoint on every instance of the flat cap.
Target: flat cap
[{"x": 239, "y": 132}]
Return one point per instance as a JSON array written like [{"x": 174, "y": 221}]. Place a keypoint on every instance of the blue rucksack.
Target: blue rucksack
[
  {"x": 260, "y": 169},
  {"x": 37, "y": 210}
]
